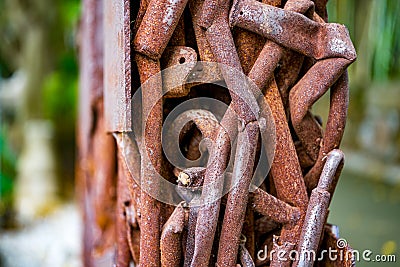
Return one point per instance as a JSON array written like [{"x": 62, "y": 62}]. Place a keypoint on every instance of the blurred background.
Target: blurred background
[{"x": 39, "y": 219}]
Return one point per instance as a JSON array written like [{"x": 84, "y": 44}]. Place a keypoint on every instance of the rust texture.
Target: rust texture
[
  {"x": 244, "y": 255},
  {"x": 236, "y": 203},
  {"x": 290, "y": 55},
  {"x": 123, "y": 254},
  {"x": 157, "y": 26},
  {"x": 171, "y": 238},
  {"x": 318, "y": 209},
  {"x": 151, "y": 160}
]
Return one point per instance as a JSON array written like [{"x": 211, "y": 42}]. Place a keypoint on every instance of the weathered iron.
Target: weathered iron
[
  {"x": 171, "y": 237},
  {"x": 318, "y": 210},
  {"x": 236, "y": 204},
  {"x": 157, "y": 26},
  {"x": 289, "y": 53},
  {"x": 151, "y": 160}
]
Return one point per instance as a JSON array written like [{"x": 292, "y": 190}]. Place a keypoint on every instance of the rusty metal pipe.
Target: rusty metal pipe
[
  {"x": 139, "y": 18},
  {"x": 317, "y": 210},
  {"x": 157, "y": 26},
  {"x": 212, "y": 188},
  {"x": 171, "y": 238},
  {"x": 131, "y": 168},
  {"x": 238, "y": 196},
  {"x": 292, "y": 30},
  {"x": 334, "y": 127},
  {"x": 223, "y": 47},
  {"x": 285, "y": 168},
  {"x": 275, "y": 209},
  {"x": 196, "y": 179},
  {"x": 305, "y": 93},
  {"x": 151, "y": 160}
]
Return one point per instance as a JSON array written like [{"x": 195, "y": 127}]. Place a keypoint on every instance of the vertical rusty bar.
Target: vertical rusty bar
[
  {"x": 151, "y": 160},
  {"x": 207, "y": 217},
  {"x": 317, "y": 211},
  {"x": 190, "y": 241},
  {"x": 117, "y": 65},
  {"x": 102, "y": 164},
  {"x": 141, "y": 12},
  {"x": 123, "y": 255},
  {"x": 288, "y": 73},
  {"x": 223, "y": 47},
  {"x": 238, "y": 196},
  {"x": 249, "y": 231},
  {"x": 249, "y": 46},
  {"x": 285, "y": 168},
  {"x": 129, "y": 171},
  {"x": 209, "y": 11},
  {"x": 334, "y": 127},
  {"x": 202, "y": 43},
  {"x": 178, "y": 37},
  {"x": 131, "y": 168}
]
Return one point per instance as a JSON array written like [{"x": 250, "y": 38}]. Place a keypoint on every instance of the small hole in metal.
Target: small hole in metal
[{"x": 182, "y": 60}]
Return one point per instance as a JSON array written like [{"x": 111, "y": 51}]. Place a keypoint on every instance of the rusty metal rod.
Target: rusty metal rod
[
  {"x": 171, "y": 238},
  {"x": 237, "y": 198},
  {"x": 293, "y": 30},
  {"x": 244, "y": 256},
  {"x": 157, "y": 26},
  {"x": 334, "y": 127},
  {"x": 317, "y": 210},
  {"x": 305, "y": 93},
  {"x": 275, "y": 209},
  {"x": 151, "y": 160},
  {"x": 212, "y": 188}
]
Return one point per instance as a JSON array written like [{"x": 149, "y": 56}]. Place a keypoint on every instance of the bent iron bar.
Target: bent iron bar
[{"x": 291, "y": 55}]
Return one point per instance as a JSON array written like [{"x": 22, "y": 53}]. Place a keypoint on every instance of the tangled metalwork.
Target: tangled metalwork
[{"x": 289, "y": 52}]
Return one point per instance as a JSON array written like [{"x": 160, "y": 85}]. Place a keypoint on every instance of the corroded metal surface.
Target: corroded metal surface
[
  {"x": 117, "y": 65},
  {"x": 291, "y": 57}
]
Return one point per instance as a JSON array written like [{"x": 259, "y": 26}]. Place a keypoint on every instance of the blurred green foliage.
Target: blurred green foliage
[
  {"x": 7, "y": 172},
  {"x": 374, "y": 26}
]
